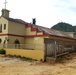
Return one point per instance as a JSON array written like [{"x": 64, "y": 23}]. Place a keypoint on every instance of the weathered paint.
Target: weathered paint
[{"x": 34, "y": 54}]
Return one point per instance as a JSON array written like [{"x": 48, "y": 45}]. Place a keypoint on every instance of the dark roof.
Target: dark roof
[{"x": 14, "y": 20}]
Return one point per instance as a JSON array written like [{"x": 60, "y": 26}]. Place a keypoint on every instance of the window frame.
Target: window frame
[
  {"x": 4, "y": 26},
  {"x": 0, "y": 27}
]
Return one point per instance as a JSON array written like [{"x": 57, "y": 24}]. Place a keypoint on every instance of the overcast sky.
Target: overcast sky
[{"x": 46, "y": 12}]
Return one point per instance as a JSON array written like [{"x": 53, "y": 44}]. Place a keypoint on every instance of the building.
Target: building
[{"x": 16, "y": 33}]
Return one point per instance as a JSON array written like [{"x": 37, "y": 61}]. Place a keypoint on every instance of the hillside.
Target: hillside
[{"x": 66, "y": 27}]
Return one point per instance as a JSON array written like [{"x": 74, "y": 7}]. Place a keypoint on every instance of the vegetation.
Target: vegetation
[
  {"x": 2, "y": 51},
  {"x": 64, "y": 27},
  {"x": 18, "y": 56},
  {"x": 25, "y": 58},
  {"x": 63, "y": 59}
]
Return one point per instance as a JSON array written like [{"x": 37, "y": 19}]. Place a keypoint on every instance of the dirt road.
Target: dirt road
[{"x": 14, "y": 66}]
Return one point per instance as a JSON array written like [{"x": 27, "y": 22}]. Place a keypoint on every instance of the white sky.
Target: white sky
[{"x": 46, "y": 12}]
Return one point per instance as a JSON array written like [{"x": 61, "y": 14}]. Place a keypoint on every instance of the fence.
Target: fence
[
  {"x": 55, "y": 50},
  {"x": 23, "y": 46}
]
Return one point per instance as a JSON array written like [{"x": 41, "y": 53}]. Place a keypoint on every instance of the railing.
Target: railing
[{"x": 23, "y": 46}]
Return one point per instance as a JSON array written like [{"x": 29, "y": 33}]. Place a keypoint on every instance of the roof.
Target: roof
[
  {"x": 42, "y": 29},
  {"x": 14, "y": 20},
  {"x": 52, "y": 31}
]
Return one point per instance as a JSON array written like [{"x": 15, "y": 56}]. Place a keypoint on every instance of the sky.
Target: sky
[{"x": 47, "y": 12}]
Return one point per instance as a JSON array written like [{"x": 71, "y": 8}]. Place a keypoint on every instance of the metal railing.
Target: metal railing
[{"x": 23, "y": 46}]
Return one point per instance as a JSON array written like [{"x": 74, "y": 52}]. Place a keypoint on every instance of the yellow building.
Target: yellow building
[
  {"x": 15, "y": 33},
  {"x": 11, "y": 29}
]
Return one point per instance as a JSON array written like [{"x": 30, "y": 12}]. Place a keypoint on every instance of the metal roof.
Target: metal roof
[{"x": 52, "y": 31}]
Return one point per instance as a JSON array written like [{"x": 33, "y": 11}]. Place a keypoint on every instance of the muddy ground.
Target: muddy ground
[{"x": 15, "y": 66}]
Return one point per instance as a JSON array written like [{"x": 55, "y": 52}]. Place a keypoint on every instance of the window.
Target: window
[
  {"x": 4, "y": 26},
  {"x": 0, "y": 40},
  {"x": 0, "y": 27}
]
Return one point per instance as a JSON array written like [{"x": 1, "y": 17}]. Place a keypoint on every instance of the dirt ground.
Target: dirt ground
[{"x": 15, "y": 66}]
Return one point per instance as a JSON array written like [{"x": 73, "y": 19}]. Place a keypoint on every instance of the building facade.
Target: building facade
[{"x": 30, "y": 36}]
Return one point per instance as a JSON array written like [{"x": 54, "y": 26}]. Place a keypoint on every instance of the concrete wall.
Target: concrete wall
[{"x": 34, "y": 54}]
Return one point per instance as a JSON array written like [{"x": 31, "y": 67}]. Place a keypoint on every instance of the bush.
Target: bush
[
  {"x": 25, "y": 59},
  {"x": 2, "y": 51}
]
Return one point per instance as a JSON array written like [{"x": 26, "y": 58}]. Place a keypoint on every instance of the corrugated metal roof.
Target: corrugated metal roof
[{"x": 52, "y": 31}]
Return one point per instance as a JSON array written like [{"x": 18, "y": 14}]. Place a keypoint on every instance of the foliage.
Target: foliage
[
  {"x": 25, "y": 58},
  {"x": 64, "y": 27},
  {"x": 64, "y": 58},
  {"x": 18, "y": 56},
  {"x": 2, "y": 51}
]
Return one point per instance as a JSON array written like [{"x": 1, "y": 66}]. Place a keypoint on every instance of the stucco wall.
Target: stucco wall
[
  {"x": 16, "y": 28},
  {"x": 34, "y": 54},
  {"x": 35, "y": 42},
  {"x": 3, "y": 38},
  {"x": 4, "y": 21},
  {"x": 29, "y": 32},
  {"x": 13, "y": 38},
  {"x": 29, "y": 40},
  {"x": 39, "y": 42},
  {"x": 39, "y": 33}
]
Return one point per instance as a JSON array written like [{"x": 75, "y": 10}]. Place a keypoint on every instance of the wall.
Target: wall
[
  {"x": 29, "y": 43},
  {"x": 29, "y": 32},
  {"x": 39, "y": 42},
  {"x": 34, "y": 54},
  {"x": 4, "y": 21},
  {"x": 16, "y": 28},
  {"x": 35, "y": 42},
  {"x": 13, "y": 38},
  {"x": 2, "y": 38}
]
